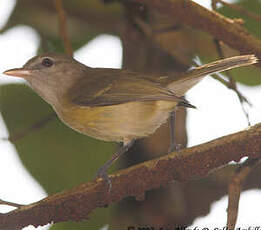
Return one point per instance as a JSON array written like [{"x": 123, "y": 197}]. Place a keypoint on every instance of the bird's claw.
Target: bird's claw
[
  {"x": 104, "y": 175},
  {"x": 174, "y": 148}
]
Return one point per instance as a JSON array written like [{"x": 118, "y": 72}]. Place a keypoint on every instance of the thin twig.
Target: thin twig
[
  {"x": 234, "y": 190},
  {"x": 214, "y": 4},
  {"x": 36, "y": 126},
  {"x": 3, "y": 202},
  {"x": 63, "y": 26},
  {"x": 231, "y": 84},
  {"x": 240, "y": 10},
  {"x": 241, "y": 97},
  {"x": 228, "y": 84}
]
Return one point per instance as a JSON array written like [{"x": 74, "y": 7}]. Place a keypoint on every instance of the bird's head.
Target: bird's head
[{"x": 50, "y": 74}]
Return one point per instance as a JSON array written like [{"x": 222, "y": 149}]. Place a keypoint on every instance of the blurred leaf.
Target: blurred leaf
[
  {"x": 250, "y": 75},
  {"x": 56, "y": 156},
  {"x": 251, "y": 24}
]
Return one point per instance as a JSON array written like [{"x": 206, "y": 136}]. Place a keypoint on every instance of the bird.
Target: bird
[{"x": 115, "y": 105}]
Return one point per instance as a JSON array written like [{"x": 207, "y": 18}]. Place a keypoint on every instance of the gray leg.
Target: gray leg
[
  {"x": 102, "y": 172},
  {"x": 173, "y": 145}
]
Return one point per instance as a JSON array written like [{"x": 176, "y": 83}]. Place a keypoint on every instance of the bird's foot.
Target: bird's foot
[
  {"x": 174, "y": 147},
  {"x": 102, "y": 173}
]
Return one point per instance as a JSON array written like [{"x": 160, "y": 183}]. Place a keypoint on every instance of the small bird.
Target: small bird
[{"x": 113, "y": 104}]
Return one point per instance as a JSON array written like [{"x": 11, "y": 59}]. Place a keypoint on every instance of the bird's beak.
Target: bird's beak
[{"x": 18, "y": 72}]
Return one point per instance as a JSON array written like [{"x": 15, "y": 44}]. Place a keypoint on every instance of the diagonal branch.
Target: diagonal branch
[
  {"x": 3, "y": 202},
  {"x": 76, "y": 204},
  {"x": 219, "y": 26},
  {"x": 34, "y": 127}
]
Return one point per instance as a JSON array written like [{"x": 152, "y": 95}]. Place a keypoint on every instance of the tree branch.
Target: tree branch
[
  {"x": 234, "y": 189},
  {"x": 63, "y": 26},
  {"x": 221, "y": 27},
  {"x": 76, "y": 204}
]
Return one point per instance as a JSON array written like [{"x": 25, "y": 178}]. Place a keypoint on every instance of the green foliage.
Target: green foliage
[
  {"x": 251, "y": 24},
  {"x": 251, "y": 75}
]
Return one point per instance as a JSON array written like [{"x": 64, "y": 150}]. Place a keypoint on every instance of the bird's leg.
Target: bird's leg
[
  {"x": 173, "y": 145},
  {"x": 102, "y": 172}
]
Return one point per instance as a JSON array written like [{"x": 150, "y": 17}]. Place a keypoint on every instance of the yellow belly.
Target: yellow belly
[{"x": 119, "y": 123}]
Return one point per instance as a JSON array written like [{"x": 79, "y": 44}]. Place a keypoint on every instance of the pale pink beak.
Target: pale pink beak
[{"x": 18, "y": 72}]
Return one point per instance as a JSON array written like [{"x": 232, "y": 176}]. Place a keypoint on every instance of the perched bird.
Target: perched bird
[{"x": 113, "y": 104}]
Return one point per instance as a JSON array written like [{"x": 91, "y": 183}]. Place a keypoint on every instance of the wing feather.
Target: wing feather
[{"x": 117, "y": 87}]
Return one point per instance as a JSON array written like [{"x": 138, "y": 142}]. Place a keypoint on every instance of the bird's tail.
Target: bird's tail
[{"x": 192, "y": 77}]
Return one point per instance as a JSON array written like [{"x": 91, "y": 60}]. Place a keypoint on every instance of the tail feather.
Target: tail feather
[{"x": 192, "y": 77}]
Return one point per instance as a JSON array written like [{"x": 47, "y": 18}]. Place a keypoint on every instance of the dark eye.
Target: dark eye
[{"x": 47, "y": 62}]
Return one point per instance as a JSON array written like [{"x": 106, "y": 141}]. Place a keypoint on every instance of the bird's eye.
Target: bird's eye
[{"x": 47, "y": 62}]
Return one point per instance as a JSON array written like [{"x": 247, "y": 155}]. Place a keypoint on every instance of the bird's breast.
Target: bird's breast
[{"x": 117, "y": 122}]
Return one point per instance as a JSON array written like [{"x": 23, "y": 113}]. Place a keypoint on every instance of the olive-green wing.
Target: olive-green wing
[{"x": 112, "y": 87}]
